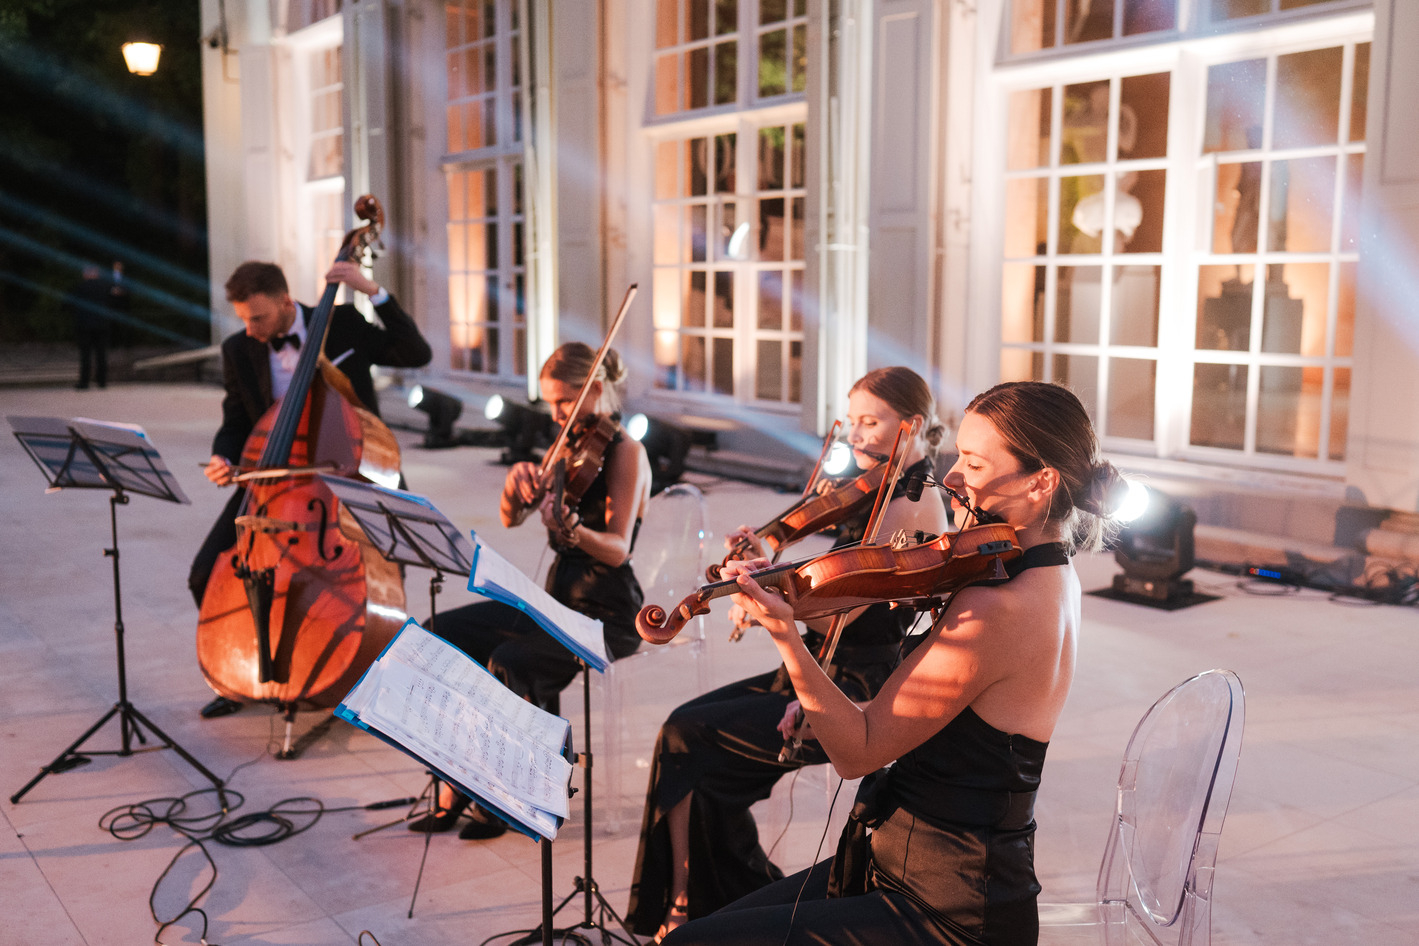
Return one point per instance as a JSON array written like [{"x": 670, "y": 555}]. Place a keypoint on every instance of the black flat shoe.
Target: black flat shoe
[
  {"x": 442, "y": 820},
  {"x": 220, "y": 706},
  {"x": 478, "y": 829}
]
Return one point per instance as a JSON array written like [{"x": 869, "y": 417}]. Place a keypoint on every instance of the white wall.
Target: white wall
[{"x": 1382, "y": 456}]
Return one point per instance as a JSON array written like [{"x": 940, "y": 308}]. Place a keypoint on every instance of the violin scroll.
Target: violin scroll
[{"x": 657, "y": 626}]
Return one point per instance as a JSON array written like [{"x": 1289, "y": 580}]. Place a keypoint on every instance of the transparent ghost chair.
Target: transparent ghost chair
[
  {"x": 1155, "y": 882},
  {"x": 669, "y": 563}
]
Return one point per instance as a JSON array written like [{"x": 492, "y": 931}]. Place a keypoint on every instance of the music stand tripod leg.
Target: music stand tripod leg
[
  {"x": 67, "y": 759},
  {"x": 587, "y": 885},
  {"x": 131, "y": 721}
]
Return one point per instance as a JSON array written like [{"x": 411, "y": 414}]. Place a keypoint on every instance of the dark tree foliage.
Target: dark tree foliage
[{"x": 98, "y": 165}]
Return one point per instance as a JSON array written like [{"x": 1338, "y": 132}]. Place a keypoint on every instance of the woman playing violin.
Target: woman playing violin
[
  {"x": 966, "y": 717},
  {"x": 592, "y": 538},
  {"x": 718, "y": 754}
]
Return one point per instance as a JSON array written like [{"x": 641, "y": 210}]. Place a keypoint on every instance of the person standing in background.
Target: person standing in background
[{"x": 89, "y": 304}]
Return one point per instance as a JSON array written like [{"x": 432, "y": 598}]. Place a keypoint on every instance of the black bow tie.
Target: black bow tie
[{"x": 279, "y": 342}]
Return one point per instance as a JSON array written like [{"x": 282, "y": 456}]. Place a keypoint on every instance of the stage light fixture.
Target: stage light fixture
[
  {"x": 523, "y": 427},
  {"x": 839, "y": 460},
  {"x": 443, "y": 411},
  {"x": 666, "y": 446},
  {"x": 1155, "y": 549}
]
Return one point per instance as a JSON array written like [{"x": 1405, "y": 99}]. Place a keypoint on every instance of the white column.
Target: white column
[{"x": 1382, "y": 454}]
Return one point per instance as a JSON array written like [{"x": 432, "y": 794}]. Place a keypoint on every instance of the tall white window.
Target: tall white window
[
  {"x": 324, "y": 190},
  {"x": 729, "y": 199},
  {"x": 1282, "y": 154},
  {"x": 483, "y": 171},
  {"x": 315, "y": 115},
  {"x": 1179, "y": 239},
  {"x": 1084, "y": 223}
]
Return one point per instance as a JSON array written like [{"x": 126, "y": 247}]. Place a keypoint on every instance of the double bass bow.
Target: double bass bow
[
  {"x": 297, "y": 609},
  {"x": 575, "y": 458}
]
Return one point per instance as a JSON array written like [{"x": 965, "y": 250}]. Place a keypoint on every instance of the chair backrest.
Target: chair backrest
[
  {"x": 670, "y": 548},
  {"x": 1173, "y": 790}
]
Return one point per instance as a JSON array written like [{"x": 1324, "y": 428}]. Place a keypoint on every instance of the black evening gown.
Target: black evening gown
[
  {"x": 516, "y": 650},
  {"x": 949, "y": 858},
  {"x": 724, "y": 747}
]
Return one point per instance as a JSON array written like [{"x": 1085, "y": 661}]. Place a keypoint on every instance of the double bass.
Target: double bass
[{"x": 299, "y": 607}]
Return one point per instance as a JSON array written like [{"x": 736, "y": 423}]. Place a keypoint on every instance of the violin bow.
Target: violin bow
[
  {"x": 549, "y": 457},
  {"x": 896, "y": 462},
  {"x": 828, "y": 443}
]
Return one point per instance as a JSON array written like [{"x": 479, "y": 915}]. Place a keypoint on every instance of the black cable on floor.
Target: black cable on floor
[{"x": 281, "y": 821}]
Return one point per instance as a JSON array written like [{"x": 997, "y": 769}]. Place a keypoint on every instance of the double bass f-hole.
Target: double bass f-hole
[{"x": 323, "y": 527}]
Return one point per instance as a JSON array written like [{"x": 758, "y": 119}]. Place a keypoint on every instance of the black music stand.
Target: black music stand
[
  {"x": 594, "y": 900},
  {"x": 583, "y": 885},
  {"x": 365, "y": 707},
  {"x": 89, "y": 454},
  {"x": 407, "y": 529}
]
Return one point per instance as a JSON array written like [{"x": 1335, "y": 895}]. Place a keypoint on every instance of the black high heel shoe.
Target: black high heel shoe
[
  {"x": 482, "y": 826},
  {"x": 438, "y": 821}
]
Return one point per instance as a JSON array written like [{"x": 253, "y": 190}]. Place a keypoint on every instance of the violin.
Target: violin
[
  {"x": 917, "y": 575},
  {"x": 575, "y": 458},
  {"x": 297, "y": 609},
  {"x": 813, "y": 513}
]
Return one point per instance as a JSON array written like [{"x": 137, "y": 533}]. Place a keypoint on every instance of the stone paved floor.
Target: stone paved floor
[{"x": 1320, "y": 844}]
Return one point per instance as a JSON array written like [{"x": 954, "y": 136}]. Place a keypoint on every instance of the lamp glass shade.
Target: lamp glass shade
[{"x": 142, "y": 58}]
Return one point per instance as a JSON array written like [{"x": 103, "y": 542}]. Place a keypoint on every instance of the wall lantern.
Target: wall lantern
[{"x": 142, "y": 57}]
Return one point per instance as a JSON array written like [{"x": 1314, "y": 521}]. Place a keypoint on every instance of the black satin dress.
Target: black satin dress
[
  {"x": 724, "y": 747},
  {"x": 939, "y": 850},
  {"x": 516, "y": 650}
]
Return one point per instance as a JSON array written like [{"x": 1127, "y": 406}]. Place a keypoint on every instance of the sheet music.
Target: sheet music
[
  {"x": 498, "y": 578},
  {"x": 442, "y": 707}
]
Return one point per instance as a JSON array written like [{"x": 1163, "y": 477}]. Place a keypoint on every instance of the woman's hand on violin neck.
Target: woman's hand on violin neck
[
  {"x": 744, "y": 543},
  {"x": 770, "y": 607},
  {"x": 740, "y": 566}
]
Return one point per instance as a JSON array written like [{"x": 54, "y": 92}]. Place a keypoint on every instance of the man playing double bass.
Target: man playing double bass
[{"x": 257, "y": 365}]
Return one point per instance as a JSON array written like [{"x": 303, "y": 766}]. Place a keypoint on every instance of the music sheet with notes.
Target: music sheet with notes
[
  {"x": 499, "y": 579},
  {"x": 440, "y": 706}
]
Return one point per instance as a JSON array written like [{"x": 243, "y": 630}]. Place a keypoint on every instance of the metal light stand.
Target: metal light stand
[{"x": 91, "y": 463}]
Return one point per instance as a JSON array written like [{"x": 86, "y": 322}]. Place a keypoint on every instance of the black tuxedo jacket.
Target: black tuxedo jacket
[{"x": 246, "y": 366}]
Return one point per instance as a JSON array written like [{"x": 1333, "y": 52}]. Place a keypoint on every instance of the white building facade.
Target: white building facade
[{"x": 1202, "y": 215}]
